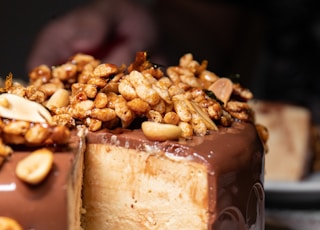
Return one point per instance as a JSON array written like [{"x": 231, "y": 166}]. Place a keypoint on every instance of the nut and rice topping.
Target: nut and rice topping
[{"x": 183, "y": 100}]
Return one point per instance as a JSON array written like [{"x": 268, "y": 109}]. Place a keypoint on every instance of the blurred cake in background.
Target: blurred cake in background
[
  {"x": 316, "y": 148},
  {"x": 289, "y": 155}
]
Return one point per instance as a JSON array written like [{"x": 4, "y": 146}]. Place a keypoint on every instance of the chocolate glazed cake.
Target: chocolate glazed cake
[
  {"x": 130, "y": 148},
  {"x": 210, "y": 182}
]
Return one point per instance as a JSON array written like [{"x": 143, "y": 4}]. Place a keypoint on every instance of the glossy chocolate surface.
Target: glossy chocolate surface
[
  {"x": 42, "y": 206},
  {"x": 234, "y": 157}
]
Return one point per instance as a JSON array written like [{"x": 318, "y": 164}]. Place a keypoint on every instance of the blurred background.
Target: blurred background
[
  {"x": 20, "y": 22},
  {"x": 273, "y": 45}
]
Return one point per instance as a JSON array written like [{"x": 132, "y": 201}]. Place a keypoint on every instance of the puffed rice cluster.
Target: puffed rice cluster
[{"x": 102, "y": 95}]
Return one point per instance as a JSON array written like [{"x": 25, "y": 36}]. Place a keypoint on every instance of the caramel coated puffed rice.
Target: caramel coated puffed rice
[{"x": 101, "y": 95}]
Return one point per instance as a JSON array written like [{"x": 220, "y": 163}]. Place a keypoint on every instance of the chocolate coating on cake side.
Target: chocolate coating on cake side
[
  {"x": 234, "y": 157},
  {"x": 46, "y": 205}
]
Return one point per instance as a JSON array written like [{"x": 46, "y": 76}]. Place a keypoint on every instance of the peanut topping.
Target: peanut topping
[
  {"x": 35, "y": 167},
  {"x": 4, "y": 102},
  {"x": 101, "y": 95},
  {"x": 160, "y": 132},
  {"x": 204, "y": 116},
  {"x": 59, "y": 99},
  {"x": 7, "y": 223},
  {"x": 19, "y": 108},
  {"x": 222, "y": 88}
]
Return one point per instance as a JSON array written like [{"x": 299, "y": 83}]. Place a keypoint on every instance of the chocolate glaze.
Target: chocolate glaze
[
  {"x": 235, "y": 160},
  {"x": 234, "y": 157},
  {"x": 42, "y": 206}
]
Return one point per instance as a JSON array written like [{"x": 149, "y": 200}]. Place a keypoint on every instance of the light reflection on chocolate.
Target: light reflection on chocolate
[{"x": 8, "y": 187}]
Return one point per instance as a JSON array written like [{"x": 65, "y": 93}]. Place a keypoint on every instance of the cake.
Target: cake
[
  {"x": 147, "y": 149},
  {"x": 287, "y": 143}
]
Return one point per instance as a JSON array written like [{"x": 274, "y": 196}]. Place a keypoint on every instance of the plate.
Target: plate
[{"x": 305, "y": 193}]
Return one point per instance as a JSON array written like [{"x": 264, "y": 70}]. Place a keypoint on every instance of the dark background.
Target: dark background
[
  {"x": 288, "y": 66},
  {"x": 20, "y": 21}
]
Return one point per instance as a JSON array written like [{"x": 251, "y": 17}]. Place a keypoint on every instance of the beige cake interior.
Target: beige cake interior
[
  {"x": 131, "y": 189},
  {"x": 289, "y": 154}
]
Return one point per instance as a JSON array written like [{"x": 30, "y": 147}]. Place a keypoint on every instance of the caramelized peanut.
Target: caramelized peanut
[
  {"x": 222, "y": 88},
  {"x": 59, "y": 99},
  {"x": 35, "y": 167},
  {"x": 7, "y": 223},
  {"x": 160, "y": 132}
]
